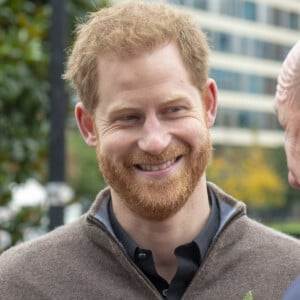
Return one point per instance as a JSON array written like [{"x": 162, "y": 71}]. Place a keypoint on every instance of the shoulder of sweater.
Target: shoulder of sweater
[
  {"x": 227, "y": 198},
  {"x": 261, "y": 240},
  {"x": 250, "y": 227},
  {"x": 261, "y": 231},
  {"x": 47, "y": 245}
]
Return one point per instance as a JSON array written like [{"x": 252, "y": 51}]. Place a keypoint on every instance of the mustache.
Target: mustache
[{"x": 174, "y": 150}]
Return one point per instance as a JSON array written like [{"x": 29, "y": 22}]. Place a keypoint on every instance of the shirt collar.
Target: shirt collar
[
  {"x": 125, "y": 239},
  {"x": 202, "y": 240},
  {"x": 207, "y": 234}
]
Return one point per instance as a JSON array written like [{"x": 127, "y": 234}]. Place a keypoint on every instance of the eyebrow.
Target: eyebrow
[
  {"x": 175, "y": 98},
  {"x": 121, "y": 106}
]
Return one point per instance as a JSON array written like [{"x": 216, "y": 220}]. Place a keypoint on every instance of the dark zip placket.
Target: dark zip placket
[
  {"x": 236, "y": 214},
  {"x": 141, "y": 275}
]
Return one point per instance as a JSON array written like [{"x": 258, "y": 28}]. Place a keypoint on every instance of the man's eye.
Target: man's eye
[
  {"x": 174, "y": 109},
  {"x": 129, "y": 118}
]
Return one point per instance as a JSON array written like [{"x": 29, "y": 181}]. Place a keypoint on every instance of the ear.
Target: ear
[
  {"x": 211, "y": 101},
  {"x": 86, "y": 125}
]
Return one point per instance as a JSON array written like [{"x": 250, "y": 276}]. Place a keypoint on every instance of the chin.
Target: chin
[{"x": 294, "y": 182}]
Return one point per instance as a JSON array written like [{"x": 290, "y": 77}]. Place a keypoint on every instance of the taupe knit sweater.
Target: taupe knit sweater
[{"x": 83, "y": 261}]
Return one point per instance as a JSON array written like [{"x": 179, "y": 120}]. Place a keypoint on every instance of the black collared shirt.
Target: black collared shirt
[{"x": 189, "y": 256}]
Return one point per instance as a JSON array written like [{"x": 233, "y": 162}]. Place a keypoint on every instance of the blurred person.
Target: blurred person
[
  {"x": 293, "y": 292},
  {"x": 159, "y": 230},
  {"x": 287, "y": 105}
]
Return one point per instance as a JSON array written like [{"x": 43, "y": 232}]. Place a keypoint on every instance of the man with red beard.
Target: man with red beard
[
  {"x": 287, "y": 104},
  {"x": 159, "y": 230}
]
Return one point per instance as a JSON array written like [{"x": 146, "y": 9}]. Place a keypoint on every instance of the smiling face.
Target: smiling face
[{"x": 151, "y": 129}]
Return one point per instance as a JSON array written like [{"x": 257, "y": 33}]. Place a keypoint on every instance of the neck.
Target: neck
[{"x": 162, "y": 237}]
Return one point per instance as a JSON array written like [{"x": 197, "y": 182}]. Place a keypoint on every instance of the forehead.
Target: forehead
[
  {"x": 169, "y": 52},
  {"x": 150, "y": 78},
  {"x": 145, "y": 69}
]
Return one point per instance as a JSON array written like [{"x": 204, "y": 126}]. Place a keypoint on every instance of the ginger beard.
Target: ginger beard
[{"x": 156, "y": 199}]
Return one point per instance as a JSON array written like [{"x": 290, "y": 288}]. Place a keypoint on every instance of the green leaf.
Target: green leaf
[{"x": 248, "y": 296}]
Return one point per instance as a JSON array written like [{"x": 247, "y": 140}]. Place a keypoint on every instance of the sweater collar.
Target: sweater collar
[
  {"x": 201, "y": 241},
  {"x": 228, "y": 208}
]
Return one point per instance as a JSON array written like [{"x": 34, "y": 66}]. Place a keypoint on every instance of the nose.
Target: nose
[{"x": 155, "y": 137}]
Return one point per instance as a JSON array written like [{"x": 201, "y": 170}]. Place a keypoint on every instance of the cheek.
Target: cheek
[
  {"x": 292, "y": 149},
  {"x": 116, "y": 146},
  {"x": 194, "y": 132}
]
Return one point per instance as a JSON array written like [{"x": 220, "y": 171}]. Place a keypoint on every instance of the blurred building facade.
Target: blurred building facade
[{"x": 249, "y": 41}]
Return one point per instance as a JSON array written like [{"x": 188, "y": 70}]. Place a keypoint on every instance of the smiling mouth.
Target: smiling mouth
[{"x": 157, "y": 167}]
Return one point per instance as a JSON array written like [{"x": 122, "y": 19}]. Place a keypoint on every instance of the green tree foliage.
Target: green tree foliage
[
  {"x": 278, "y": 158},
  {"x": 83, "y": 171},
  {"x": 23, "y": 103},
  {"x": 23, "y": 92},
  {"x": 24, "y": 89},
  {"x": 249, "y": 175}
]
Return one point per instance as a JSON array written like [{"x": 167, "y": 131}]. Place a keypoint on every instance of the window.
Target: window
[
  {"x": 178, "y": 2},
  {"x": 226, "y": 117},
  {"x": 227, "y": 80},
  {"x": 230, "y": 7},
  {"x": 201, "y": 4},
  {"x": 275, "y": 17},
  {"x": 224, "y": 42},
  {"x": 260, "y": 49},
  {"x": 229, "y": 43},
  {"x": 229, "y": 117},
  {"x": 294, "y": 21},
  {"x": 249, "y": 11},
  {"x": 235, "y": 81},
  {"x": 269, "y": 86},
  {"x": 244, "y": 119},
  {"x": 255, "y": 84}
]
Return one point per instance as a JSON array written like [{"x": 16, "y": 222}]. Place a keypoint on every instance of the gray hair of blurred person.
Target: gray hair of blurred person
[{"x": 287, "y": 97}]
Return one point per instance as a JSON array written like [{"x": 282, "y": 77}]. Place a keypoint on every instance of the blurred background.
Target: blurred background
[{"x": 49, "y": 177}]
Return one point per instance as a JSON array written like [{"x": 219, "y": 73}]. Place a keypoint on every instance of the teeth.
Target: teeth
[{"x": 157, "y": 167}]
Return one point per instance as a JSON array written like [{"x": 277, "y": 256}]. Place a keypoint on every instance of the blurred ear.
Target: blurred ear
[
  {"x": 211, "y": 101},
  {"x": 86, "y": 125}
]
